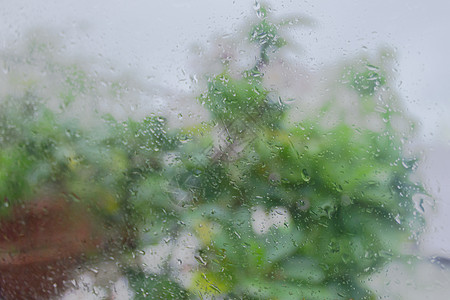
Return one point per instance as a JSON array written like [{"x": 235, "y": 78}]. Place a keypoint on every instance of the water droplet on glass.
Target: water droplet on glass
[
  {"x": 305, "y": 175},
  {"x": 397, "y": 219},
  {"x": 214, "y": 287},
  {"x": 257, "y": 5},
  {"x": 404, "y": 164},
  {"x": 200, "y": 260}
]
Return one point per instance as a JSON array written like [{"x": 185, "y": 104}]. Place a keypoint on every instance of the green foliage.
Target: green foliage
[
  {"x": 147, "y": 286},
  {"x": 265, "y": 34},
  {"x": 366, "y": 82},
  {"x": 345, "y": 189}
]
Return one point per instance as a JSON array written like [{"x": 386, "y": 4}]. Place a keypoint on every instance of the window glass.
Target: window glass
[{"x": 226, "y": 150}]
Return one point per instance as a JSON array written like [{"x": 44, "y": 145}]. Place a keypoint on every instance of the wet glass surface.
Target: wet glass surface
[{"x": 223, "y": 151}]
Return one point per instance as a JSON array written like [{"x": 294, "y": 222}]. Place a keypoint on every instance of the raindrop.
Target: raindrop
[
  {"x": 303, "y": 204},
  {"x": 305, "y": 175},
  {"x": 214, "y": 287},
  {"x": 257, "y": 5},
  {"x": 404, "y": 164},
  {"x": 421, "y": 205},
  {"x": 372, "y": 67},
  {"x": 200, "y": 260}
]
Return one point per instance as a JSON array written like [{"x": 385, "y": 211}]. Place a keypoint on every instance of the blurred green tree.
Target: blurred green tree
[{"x": 339, "y": 195}]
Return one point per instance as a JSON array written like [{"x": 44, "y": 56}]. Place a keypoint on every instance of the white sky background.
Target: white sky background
[{"x": 153, "y": 37}]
